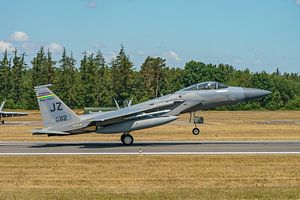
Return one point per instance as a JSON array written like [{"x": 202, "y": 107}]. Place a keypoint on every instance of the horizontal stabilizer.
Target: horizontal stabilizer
[{"x": 48, "y": 132}]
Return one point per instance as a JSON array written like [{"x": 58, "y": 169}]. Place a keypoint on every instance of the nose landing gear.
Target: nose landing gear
[
  {"x": 196, "y": 120},
  {"x": 196, "y": 131}
]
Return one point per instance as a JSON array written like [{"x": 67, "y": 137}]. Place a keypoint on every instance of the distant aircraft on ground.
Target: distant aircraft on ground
[
  {"x": 60, "y": 120},
  {"x": 9, "y": 114}
]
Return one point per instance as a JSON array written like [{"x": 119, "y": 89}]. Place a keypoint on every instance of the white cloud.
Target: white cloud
[
  {"x": 109, "y": 56},
  {"x": 140, "y": 53},
  {"x": 30, "y": 46},
  {"x": 172, "y": 55},
  {"x": 237, "y": 61},
  {"x": 91, "y": 4},
  {"x": 54, "y": 47},
  {"x": 19, "y": 36},
  {"x": 257, "y": 62},
  {"x": 6, "y": 46},
  {"x": 99, "y": 45},
  {"x": 297, "y": 2}
]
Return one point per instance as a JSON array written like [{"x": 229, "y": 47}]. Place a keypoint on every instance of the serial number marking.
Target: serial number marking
[{"x": 61, "y": 118}]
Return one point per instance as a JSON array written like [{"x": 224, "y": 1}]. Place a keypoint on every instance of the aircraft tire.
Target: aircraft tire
[
  {"x": 196, "y": 131},
  {"x": 127, "y": 139},
  {"x": 122, "y": 137}
]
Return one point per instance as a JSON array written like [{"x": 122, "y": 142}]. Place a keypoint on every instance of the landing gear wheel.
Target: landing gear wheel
[
  {"x": 2, "y": 121},
  {"x": 196, "y": 131},
  {"x": 127, "y": 139},
  {"x": 122, "y": 137}
]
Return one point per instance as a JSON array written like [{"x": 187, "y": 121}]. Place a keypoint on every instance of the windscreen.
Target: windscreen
[{"x": 205, "y": 86}]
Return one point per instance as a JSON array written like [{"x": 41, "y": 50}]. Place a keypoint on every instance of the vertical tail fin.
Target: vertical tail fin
[
  {"x": 118, "y": 107},
  {"x": 2, "y": 105},
  {"x": 53, "y": 110}
]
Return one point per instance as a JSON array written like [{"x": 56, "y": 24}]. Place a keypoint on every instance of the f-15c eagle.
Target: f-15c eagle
[
  {"x": 9, "y": 114},
  {"x": 60, "y": 120}
]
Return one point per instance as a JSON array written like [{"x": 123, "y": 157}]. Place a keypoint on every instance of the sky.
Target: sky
[{"x": 255, "y": 34}]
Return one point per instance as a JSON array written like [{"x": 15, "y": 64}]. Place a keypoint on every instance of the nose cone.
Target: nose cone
[{"x": 252, "y": 93}]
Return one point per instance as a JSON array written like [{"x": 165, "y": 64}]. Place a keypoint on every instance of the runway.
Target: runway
[{"x": 150, "y": 147}]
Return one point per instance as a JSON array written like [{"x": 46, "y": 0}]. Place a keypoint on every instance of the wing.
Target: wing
[
  {"x": 139, "y": 110},
  {"x": 12, "y": 114}
]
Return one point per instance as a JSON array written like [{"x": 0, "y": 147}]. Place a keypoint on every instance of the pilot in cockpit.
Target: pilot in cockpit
[{"x": 210, "y": 85}]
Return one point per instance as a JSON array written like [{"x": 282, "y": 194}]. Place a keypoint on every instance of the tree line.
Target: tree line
[{"x": 95, "y": 82}]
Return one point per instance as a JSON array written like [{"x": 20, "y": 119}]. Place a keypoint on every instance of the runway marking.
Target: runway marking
[
  {"x": 152, "y": 153},
  {"x": 152, "y": 141}
]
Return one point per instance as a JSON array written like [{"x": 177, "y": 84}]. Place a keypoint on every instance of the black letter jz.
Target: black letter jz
[{"x": 56, "y": 106}]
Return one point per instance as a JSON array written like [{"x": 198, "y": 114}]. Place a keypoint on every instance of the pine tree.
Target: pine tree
[
  {"x": 89, "y": 80},
  {"x": 122, "y": 76},
  {"x": 173, "y": 80},
  {"x": 139, "y": 93},
  {"x": 152, "y": 71},
  {"x": 104, "y": 97},
  {"x": 67, "y": 84},
  {"x": 28, "y": 99},
  {"x": 43, "y": 68},
  {"x": 5, "y": 76},
  {"x": 38, "y": 63},
  {"x": 48, "y": 69},
  {"x": 17, "y": 69}
]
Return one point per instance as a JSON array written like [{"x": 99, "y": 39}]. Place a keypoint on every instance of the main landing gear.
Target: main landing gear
[
  {"x": 127, "y": 139},
  {"x": 196, "y": 120}
]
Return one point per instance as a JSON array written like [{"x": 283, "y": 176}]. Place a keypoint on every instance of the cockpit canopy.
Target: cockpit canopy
[{"x": 210, "y": 85}]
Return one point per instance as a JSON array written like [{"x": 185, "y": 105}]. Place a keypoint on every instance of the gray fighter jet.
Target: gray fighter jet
[
  {"x": 9, "y": 114},
  {"x": 60, "y": 120}
]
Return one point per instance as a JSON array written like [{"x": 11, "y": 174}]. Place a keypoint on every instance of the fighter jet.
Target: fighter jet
[
  {"x": 9, "y": 114},
  {"x": 60, "y": 120}
]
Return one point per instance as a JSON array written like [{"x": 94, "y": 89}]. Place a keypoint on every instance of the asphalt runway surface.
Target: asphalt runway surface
[{"x": 150, "y": 147}]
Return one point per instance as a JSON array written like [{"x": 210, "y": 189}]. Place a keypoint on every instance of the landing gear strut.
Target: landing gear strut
[
  {"x": 127, "y": 139},
  {"x": 196, "y": 120}
]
